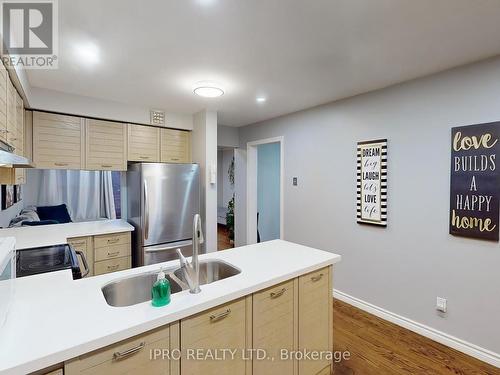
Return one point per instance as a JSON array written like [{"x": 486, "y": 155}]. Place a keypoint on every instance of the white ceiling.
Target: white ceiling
[{"x": 297, "y": 53}]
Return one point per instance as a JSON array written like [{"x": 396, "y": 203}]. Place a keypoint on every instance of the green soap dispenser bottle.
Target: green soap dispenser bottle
[{"x": 160, "y": 292}]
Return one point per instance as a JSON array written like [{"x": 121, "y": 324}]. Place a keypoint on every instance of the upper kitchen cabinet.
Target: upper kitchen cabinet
[
  {"x": 143, "y": 143},
  {"x": 106, "y": 145},
  {"x": 12, "y": 138},
  {"x": 19, "y": 137},
  {"x": 175, "y": 146},
  {"x": 3, "y": 103},
  {"x": 58, "y": 141}
]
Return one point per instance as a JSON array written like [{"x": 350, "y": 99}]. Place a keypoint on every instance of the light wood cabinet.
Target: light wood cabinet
[
  {"x": 105, "y": 253},
  {"x": 106, "y": 145},
  {"x": 131, "y": 356},
  {"x": 112, "y": 252},
  {"x": 85, "y": 245},
  {"x": 175, "y": 146},
  {"x": 143, "y": 143},
  {"x": 4, "y": 77},
  {"x": 315, "y": 318},
  {"x": 16, "y": 138},
  {"x": 223, "y": 327},
  {"x": 58, "y": 141},
  {"x": 275, "y": 320},
  {"x": 11, "y": 116},
  {"x": 294, "y": 315}
]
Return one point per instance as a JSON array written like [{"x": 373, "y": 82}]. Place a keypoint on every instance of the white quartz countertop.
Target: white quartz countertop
[
  {"x": 54, "y": 234},
  {"x": 54, "y": 318}
]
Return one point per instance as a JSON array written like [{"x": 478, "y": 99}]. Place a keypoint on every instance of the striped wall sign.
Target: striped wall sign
[{"x": 371, "y": 182}]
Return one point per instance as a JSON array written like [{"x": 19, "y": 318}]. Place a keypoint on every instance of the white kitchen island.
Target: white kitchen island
[{"x": 54, "y": 318}]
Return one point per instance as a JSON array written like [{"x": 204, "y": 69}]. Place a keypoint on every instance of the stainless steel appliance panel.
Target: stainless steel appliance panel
[{"x": 171, "y": 198}]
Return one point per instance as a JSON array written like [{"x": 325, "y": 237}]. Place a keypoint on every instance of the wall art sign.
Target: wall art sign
[
  {"x": 474, "y": 181},
  {"x": 372, "y": 182}
]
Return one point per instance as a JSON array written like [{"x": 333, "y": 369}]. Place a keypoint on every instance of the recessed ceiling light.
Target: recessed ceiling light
[
  {"x": 261, "y": 99},
  {"x": 88, "y": 53},
  {"x": 208, "y": 90}
]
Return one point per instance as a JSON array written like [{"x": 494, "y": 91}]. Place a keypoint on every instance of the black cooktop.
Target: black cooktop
[{"x": 47, "y": 259}]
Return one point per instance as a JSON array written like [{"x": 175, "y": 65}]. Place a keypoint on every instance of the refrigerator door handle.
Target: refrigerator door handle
[
  {"x": 176, "y": 245},
  {"x": 146, "y": 211}
]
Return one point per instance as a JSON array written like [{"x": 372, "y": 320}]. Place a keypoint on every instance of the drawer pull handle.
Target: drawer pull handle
[
  {"x": 216, "y": 317},
  {"x": 126, "y": 353},
  {"x": 144, "y": 157},
  {"x": 114, "y": 240},
  {"x": 106, "y": 166},
  {"x": 80, "y": 243},
  {"x": 61, "y": 164},
  {"x": 278, "y": 293},
  {"x": 113, "y": 254},
  {"x": 114, "y": 267},
  {"x": 317, "y": 278},
  {"x": 175, "y": 159}
]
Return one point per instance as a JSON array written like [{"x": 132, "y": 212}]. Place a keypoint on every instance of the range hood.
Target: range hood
[{"x": 10, "y": 160}]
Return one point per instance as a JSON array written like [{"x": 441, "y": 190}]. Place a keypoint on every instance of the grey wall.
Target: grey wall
[
  {"x": 404, "y": 267},
  {"x": 227, "y": 136}
]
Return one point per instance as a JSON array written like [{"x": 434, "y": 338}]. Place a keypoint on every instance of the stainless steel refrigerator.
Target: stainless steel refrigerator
[{"x": 162, "y": 201}]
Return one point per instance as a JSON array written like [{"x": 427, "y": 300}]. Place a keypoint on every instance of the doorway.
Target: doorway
[
  {"x": 225, "y": 198},
  {"x": 265, "y": 175}
]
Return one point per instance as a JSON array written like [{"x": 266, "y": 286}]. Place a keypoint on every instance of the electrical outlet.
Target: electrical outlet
[
  {"x": 294, "y": 181},
  {"x": 441, "y": 304}
]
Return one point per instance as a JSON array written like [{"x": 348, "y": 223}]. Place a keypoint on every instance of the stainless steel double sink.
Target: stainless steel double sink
[{"x": 136, "y": 289}]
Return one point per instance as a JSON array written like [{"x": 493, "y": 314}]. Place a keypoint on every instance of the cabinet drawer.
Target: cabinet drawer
[
  {"x": 113, "y": 265},
  {"x": 219, "y": 328},
  {"x": 274, "y": 327},
  {"x": 110, "y": 252},
  {"x": 131, "y": 356},
  {"x": 111, "y": 239}
]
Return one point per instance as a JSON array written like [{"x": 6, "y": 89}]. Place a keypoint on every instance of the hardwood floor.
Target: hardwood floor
[
  {"x": 223, "y": 242},
  {"x": 378, "y": 347}
]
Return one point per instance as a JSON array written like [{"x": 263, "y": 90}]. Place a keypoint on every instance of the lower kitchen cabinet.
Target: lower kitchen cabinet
[
  {"x": 85, "y": 245},
  {"x": 131, "y": 356},
  {"x": 105, "y": 253},
  {"x": 275, "y": 319},
  {"x": 315, "y": 318},
  {"x": 223, "y": 327},
  {"x": 295, "y": 315}
]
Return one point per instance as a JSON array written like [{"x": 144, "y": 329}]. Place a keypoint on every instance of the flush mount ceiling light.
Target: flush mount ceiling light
[
  {"x": 260, "y": 99},
  {"x": 208, "y": 90}
]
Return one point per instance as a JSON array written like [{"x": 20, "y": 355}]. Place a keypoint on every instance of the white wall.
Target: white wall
[
  {"x": 403, "y": 267},
  {"x": 268, "y": 190},
  {"x": 51, "y": 100},
  {"x": 204, "y": 146}
]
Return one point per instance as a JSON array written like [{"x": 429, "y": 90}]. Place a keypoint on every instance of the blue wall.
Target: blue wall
[{"x": 268, "y": 190}]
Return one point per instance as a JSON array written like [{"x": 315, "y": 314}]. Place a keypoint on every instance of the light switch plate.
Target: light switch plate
[{"x": 441, "y": 304}]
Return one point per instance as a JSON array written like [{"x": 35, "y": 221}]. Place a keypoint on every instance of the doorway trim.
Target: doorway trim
[{"x": 252, "y": 187}]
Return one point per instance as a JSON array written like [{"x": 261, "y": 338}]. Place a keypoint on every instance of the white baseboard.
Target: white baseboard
[{"x": 431, "y": 333}]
